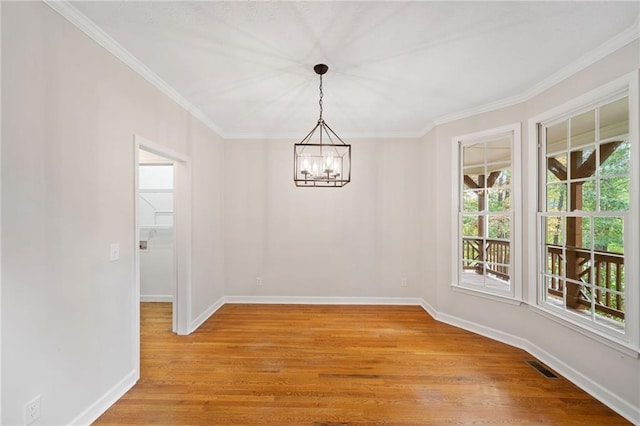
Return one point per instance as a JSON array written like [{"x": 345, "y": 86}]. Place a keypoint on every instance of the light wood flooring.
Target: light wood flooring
[{"x": 339, "y": 365}]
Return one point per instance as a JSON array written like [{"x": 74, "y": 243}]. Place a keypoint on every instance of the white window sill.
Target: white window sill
[
  {"x": 592, "y": 333},
  {"x": 496, "y": 297}
]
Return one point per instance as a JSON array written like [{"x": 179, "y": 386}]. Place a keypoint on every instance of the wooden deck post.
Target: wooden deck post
[
  {"x": 573, "y": 265},
  {"x": 581, "y": 168},
  {"x": 574, "y": 234}
]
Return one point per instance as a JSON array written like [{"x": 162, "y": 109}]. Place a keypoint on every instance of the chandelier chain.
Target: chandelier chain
[{"x": 320, "y": 101}]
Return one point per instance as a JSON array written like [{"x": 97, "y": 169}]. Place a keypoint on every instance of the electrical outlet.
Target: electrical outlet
[
  {"x": 403, "y": 282},
  {"x": 32, "y": 410},
  {"x": 258, "y": 280},
  {"x": 114, "y": 252}
]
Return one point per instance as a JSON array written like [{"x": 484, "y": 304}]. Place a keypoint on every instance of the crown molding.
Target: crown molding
[
  {"x": 605, "y": 49},
  {"x": 90, "y": 28},
  {"x": 345, "y": 136},
  {"x": 426, "y": 129}
]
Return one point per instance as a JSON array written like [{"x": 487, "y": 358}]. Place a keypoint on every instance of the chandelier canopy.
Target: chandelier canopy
[{"x": 321, "y": 159}]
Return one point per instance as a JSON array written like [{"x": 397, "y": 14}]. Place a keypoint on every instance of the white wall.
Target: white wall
[
  {"x": 430, "y": 251},
  {"x": 157, "y": 276},
  {"x": 67, "y": 316},
  {"x": 619, "y": 382},
  {"x": 207, "y": 216},
  {"x": 355, "y": 241},
  {"x": 69, "y": 113}
]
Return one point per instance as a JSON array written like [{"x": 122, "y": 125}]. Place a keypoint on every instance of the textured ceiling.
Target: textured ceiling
[{"x": 394, "y": 67}]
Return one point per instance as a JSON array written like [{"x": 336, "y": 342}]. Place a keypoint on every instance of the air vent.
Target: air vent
[
  {"x": 542, "y": 369},
  {"x": 330, "y": 424}
]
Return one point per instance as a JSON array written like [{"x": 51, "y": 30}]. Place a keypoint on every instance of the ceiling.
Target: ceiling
[{"x": 395, "y": 68}]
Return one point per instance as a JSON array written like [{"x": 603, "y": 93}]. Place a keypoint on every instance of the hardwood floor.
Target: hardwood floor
[{"x": 339, "y": 365}]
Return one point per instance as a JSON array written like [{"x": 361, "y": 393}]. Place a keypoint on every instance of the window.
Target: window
[
  {"x": 586, "y": 203},
  {"x": 485, "y": 259}
]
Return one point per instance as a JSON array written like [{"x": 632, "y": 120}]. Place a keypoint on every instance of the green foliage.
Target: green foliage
[
  {"x": 606, "y": 190},
  {"x": 612, "y": 182},
  {"x": 470, "y": 226},
  {"x": 496, "y": 198}
]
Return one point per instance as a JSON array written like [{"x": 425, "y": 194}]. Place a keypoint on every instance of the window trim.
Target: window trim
[
  {"x": 626, "y": 85},
  {"x": 516, "y": 291}
]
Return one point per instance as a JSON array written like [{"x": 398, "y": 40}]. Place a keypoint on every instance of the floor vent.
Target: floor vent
[
  {"x": 330, "y": 424},
  {"x": 542, "y": 369}
]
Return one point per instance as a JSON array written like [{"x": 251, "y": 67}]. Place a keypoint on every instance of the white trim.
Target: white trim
[
  {"x": 582, "y": 101},
  {"x": 206, "y": 314},
  {"x": 590, "y": 58},
  {"x": 515, "y": 284},
  {"x": 628, "y": 83},
  {"x": 161, "y": 150},
  {"x": 0, "y": 213},
  {"x": 429, "y": 309},
  {"x": 102, "y": 404},
  {"x": 344, "y": 135},
  {"x": 625, "y": 408},
  {"x": 591, "y": 333},
  {"x": 182, "y": 244},
  {"x": 531, "y": 217},
  {"x": 479, "y": 292},
  {"x": 426, "y": 129},
  {"x": 488, "y": 332},
  {"x": 633, "y": 228},
  {"x": 136, "y": 259},
  {"x": 456, "y": 187},
  {"x": 156, "y": 298},
  {"x": 87, "y": 26},
  {"x": 324, "y": 300}
]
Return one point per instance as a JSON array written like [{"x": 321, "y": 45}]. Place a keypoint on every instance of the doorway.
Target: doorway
[
  {"x": 162, "y": 215},
  {"x": 155, "y": 229}
]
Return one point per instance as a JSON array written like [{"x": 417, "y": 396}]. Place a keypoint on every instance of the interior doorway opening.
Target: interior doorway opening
[
  {"x": 156, "y": 229},
  {"x": 165, "y": 216}
]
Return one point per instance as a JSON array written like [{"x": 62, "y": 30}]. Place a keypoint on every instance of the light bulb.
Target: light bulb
[
  {"x": 328, "y": 162},
  {"x": 305, "y": 161},
  {"x": 316, "y": 166}
]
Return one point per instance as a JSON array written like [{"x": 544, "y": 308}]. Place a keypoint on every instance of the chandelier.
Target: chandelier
[{"x": 321, "y": 159}]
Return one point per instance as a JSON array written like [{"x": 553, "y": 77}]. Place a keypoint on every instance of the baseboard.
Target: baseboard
[
  {"x": 491, "y": 333},
  {"x": 96, "y": 409},
  {"x": 206, "y": 314},
  {"x": 476, "y": 328},
  {"x": 321, "y": 300},
  {"x": 156, "y": 298},
  {"x": 617, "y": 404},
  {"x": 429, "y": 309}
]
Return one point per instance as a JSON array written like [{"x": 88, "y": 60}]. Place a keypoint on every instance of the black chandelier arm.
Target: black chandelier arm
[
  {"x": 331, "y": 143},
  {"x": 310, "y": 134}
]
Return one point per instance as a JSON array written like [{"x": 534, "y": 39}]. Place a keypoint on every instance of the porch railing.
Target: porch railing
[
  {"x": 495, "y": 254},
  {"x": 608, "y": 274}
]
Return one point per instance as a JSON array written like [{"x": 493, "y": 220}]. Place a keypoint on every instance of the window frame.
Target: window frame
[
  {"x": 628, "y": 341},
  {"x": 515, "y": 293}
]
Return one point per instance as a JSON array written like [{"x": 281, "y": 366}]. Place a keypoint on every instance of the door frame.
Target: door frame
[{"x": 181, "y": 240}]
